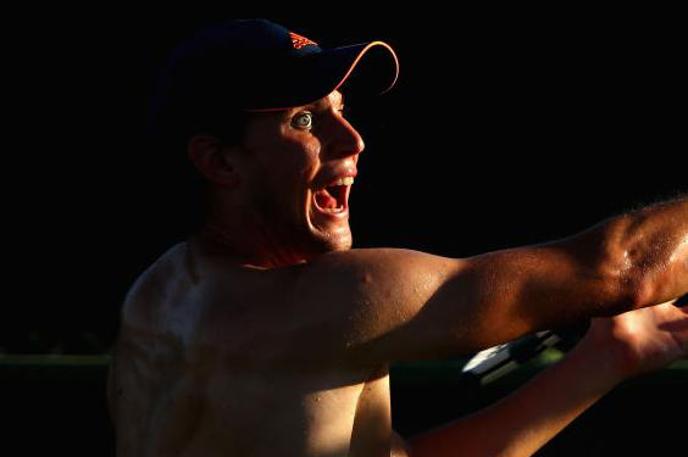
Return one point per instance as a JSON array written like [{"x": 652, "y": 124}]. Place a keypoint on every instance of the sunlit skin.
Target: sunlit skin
[
  {"x": 265, "y": 334},
  {"x": 264, "y": 208}
]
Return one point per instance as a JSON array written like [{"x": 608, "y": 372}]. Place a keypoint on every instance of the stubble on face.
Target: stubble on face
[{"x": 287, "y": 162}]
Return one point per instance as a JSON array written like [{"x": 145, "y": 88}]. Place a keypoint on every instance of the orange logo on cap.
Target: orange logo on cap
[{"x": 299, "y": 41}]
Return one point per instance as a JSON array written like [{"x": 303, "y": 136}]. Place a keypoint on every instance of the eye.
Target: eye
[{"x": 303, "y": 120}]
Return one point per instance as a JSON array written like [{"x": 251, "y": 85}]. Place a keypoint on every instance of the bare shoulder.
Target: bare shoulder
[
  {"x": 378, "y": 277},
  {"x": 162, "y": 283},
  {"x": 316, "y": 309},
  {"x": 149, "y": 353},
  {"x": 364, "y": 295},
  {"x": 381, "y": 266}
]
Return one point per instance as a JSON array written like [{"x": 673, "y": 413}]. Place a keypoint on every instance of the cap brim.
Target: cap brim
[{"x": 370, "y": 68}]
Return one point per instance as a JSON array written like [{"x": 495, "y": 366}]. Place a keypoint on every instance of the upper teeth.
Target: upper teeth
[{"x": 343, "y": 182}]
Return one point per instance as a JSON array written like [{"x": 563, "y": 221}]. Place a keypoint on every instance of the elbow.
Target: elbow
[
  {"x": 629, "y": 284},
  {"x": 652, "y": 287},
  {"x": 647, "y": 256},
  {"x": 643, "y": 291},
  {"x": 642, "y": 280},
  {"x": 622, "y": 265},
  {"x": 621, "y": 283}
]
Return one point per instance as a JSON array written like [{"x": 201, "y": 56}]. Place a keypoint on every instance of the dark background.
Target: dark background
[{"x": 507, "y": 127}]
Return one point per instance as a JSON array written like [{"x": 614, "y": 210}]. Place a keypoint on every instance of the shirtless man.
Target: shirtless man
[{"x": 265, "y": 334}]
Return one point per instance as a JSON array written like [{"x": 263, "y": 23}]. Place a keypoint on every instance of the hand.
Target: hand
[{"x": 639, "y": 341}]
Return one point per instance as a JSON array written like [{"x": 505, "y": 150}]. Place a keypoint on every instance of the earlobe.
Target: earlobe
[{"x": 213, "y": 161}]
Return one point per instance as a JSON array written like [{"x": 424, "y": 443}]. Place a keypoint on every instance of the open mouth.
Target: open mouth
[{"x": 333, "y": 199}]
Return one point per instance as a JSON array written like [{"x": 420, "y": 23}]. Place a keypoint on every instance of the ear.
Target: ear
[{"x": 215, "y": 161}]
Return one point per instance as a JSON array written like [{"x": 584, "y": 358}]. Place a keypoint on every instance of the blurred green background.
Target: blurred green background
[{"x": 58, "y": 401}]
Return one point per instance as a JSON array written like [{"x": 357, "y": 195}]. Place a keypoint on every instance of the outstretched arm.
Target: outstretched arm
[
  {"x": 386, "y": 305},
  {"x": 614, "y": 349},
  {"x": 632, "y": 261}
]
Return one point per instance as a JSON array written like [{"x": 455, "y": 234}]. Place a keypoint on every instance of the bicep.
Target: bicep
[
  {"x": 366, "y": 299},
  {"x": 391, "y": 305},
  {"x": 502, "y": 295}
]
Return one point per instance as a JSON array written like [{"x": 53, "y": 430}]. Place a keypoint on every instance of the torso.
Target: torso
[{"x": 193, "y": 376}]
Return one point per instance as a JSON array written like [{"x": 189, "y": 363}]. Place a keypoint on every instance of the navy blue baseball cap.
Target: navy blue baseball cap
[{"x": 257, "y": 65}]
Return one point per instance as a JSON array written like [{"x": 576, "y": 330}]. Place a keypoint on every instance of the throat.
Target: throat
[{"x": 254, "y": 251}]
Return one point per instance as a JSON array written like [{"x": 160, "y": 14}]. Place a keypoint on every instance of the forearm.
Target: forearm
[
  {"x": 631, "y": 261},
  {"x": 627, "y": 262},
  {"x": 524, "y": 421}
]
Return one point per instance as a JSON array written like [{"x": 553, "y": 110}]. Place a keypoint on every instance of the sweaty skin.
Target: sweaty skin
[
  {"x": 204, "y": 372},
  {"x": 266, "y": 334}
]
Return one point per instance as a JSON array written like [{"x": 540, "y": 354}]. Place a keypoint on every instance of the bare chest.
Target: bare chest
[{"x": 297, "y": 414}]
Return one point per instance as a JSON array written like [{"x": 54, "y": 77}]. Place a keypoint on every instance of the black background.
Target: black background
[{"x": 507, "y": 127}]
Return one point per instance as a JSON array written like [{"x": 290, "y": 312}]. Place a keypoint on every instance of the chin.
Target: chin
[
  {"x": 332, "y": 240},
  {"x": 328, "y": 231}
]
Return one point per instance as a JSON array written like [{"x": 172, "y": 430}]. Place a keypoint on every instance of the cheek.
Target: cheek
[
  {"x": 290, "y": 160},
  {"x": 289, "y": 172},
  {"x": 303, "y": 158}
]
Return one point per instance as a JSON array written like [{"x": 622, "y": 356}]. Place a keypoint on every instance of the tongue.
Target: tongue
[{"x": 325, "y": 200}]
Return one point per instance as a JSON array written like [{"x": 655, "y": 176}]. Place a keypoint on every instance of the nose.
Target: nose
[{"x": 342, "y": 139}]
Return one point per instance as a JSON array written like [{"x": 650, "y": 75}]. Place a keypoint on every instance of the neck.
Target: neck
[{"x": 246, "y": 242}]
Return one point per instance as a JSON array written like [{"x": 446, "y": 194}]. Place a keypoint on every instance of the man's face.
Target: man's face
[{"x": 303, "y": 163}]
